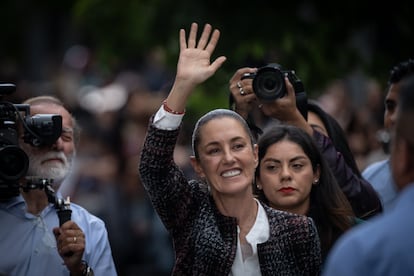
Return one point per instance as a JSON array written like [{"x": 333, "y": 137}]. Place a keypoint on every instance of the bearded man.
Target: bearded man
[{"x": 31, "y": 237}]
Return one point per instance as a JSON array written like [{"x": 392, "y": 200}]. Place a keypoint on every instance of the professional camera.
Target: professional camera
[
  {"x": 269, "y": 85},
  {"x": 38, "y": 130}
]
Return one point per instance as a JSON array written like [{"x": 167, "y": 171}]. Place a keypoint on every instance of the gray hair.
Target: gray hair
[
  {"x": 55, "y": 101},
  {"x": 216, "y": 114}
]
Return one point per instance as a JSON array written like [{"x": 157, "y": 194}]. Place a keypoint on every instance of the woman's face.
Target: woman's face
[
  {"x": 286, "y": 177},
  {"x": 315, "y": 121},
  {"x": 227, "y": 159}
]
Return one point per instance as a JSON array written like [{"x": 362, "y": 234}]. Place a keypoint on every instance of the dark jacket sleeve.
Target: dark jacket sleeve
[
  {"x": 362, "y": 196},
  {"x": 165, "y": 183},
  {"x": 293, "y": 247}
]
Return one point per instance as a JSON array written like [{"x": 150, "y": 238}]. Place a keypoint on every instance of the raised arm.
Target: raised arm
[
  {"x": 194, "y": 66},
  {"x": 165, "y": 183}
]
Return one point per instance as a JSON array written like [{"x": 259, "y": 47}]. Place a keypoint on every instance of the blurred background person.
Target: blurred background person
[
  {"x": 383, "y": 245},
  {"x": 105, "y": 179},
  {"x": 379, "y": 173}
]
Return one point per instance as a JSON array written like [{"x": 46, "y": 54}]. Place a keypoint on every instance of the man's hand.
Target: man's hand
[{"x": 70, "y": 241}]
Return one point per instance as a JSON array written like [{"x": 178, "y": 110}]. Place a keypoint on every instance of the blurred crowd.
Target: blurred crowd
[
  {"x": 357, "y": 103},
  {"x": 113, "y": 109}
]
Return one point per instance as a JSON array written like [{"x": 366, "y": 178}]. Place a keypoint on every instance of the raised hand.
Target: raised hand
[
  {"x": 285, "y": 109},
  {"x": 242, "y": 91},
  {"x": 194, "y": 66}
]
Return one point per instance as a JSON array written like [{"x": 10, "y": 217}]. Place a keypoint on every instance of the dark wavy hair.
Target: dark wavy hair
[
  {"x": 401, "y": 71},
  {"x": 329, "y": 207}
]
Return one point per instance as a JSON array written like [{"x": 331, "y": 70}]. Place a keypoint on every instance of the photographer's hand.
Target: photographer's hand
[
  {"x": 70, "y": 239},
  {"x": 285, "y": 109},
  {"x": 242, "y": 92},
  {"x": 193, "y": 65}
]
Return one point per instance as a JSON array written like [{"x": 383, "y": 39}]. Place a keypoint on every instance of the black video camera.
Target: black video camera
[
  {"x": 269, "y": 85},
  {"x": 38, "y": 130}
]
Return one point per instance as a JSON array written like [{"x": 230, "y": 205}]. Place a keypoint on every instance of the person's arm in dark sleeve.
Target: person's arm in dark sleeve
[{"x": 362, "y": 196}]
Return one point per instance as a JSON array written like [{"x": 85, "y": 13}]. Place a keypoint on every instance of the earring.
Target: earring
[{"x": 316, "y": 181}]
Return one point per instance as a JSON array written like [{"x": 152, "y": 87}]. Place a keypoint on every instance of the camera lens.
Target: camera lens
[
  {"x": 13, "y": 163},
  {"x": 271, "y": 82},
  {"x": 268, "y": 84}
]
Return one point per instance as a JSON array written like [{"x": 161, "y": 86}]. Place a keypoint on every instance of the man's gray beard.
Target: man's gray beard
[{"x": 56, "y": 171}]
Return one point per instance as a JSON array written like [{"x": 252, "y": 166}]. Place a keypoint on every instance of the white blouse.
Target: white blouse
[{"x": 246, "y": 261}]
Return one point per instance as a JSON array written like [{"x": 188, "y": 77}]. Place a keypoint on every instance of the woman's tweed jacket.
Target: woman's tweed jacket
[{"x": 205, "y": 241}]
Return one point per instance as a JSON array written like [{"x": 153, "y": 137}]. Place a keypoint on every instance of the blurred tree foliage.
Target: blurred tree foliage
[{"x": 320, "y": 40}]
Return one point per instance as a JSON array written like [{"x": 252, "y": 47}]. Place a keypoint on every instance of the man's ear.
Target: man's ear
[{"x": 196, "y": 166}]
